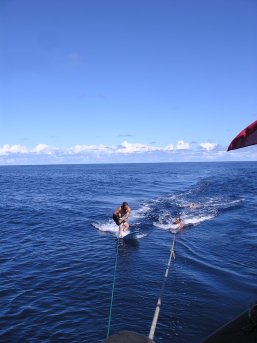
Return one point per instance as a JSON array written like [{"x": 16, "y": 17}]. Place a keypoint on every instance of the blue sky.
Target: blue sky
[{"x": 91, "y": 81}]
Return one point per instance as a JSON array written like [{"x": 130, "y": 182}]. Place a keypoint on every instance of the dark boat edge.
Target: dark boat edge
[{"x": 243, "y": 329}]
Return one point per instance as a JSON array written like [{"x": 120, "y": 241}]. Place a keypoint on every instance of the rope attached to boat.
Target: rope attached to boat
[
  {"x": 113, "y": 287},
  {"x": 158, "y": 306}
]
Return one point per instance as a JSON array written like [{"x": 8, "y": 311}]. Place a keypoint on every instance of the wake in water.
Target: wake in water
[
  {"x": 110, "y": 227},
  {"x": 162, "y": 212},
  {"x": 204, "y": 210}
]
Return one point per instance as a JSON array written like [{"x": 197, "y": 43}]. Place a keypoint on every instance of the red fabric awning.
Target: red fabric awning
[{"x": 245, "y": 138}]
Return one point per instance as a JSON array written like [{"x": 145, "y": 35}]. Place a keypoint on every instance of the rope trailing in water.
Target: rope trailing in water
[
  {"x": 158, "y": 306},
  {"x": 113, "y": 286}
]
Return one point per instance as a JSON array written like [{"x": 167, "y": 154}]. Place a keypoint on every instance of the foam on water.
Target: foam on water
[
  {"x": 107, "y": 226},
  {"x": 161, "y": 213},
  {"x": 140, "y": 235},
  {"x": 110, "y": 227},
  {"x": 142, "y": 211},
  {"x": 168, "y": 226},
  {"x": 187, "y": 220}
]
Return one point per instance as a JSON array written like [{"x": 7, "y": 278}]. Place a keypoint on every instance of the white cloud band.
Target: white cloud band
[{"x": 125, "y": 152}]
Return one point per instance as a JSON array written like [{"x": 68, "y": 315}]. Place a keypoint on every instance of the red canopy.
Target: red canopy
[{"x": 245, "y": 138}]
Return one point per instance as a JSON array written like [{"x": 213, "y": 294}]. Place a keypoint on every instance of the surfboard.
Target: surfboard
[
  {"x": 123, "y": 234},
  {"x": 130, "y": 235}
]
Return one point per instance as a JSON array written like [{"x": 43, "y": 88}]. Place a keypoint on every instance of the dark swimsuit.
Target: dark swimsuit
[{"x": 116, "y": 219}]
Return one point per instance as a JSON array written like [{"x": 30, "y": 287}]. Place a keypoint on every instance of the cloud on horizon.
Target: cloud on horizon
[{"x": 126, "y": 152}]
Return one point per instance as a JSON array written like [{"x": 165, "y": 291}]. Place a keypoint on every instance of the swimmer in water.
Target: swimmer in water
[
  {"x": 192, "y": 205},
  {"x": 179, "y": 222}
]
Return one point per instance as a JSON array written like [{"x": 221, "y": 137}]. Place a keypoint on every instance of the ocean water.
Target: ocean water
[{"x": 58, "y": 247}]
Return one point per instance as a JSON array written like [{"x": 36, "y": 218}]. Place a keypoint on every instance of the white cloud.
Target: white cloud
[
  {"x": 77, "y": 149},
  {"x": 181, "y": 145},
  {"x": 43, "y": 149},
  {"x": 125, "y": 152},
  {"x": 208, "y": 146},
  {"x": 169, "y": 147},
  {"x": 130, "y": 148},
  {"x": 13, "y": 149}
]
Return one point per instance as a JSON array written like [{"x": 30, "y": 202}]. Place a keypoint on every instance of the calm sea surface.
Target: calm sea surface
[{"x": 58, "y": 246}]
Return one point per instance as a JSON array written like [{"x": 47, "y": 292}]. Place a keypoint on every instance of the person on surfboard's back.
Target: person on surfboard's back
[{"x": 120, "y": 216}]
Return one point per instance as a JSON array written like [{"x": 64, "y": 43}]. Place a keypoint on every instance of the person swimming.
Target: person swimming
[
  {"x": 179, "y": 222},
  {"x": 193, "y": 205}
]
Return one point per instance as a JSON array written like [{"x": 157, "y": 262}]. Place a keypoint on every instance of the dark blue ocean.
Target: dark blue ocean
[{"x": 58, "y": 246}]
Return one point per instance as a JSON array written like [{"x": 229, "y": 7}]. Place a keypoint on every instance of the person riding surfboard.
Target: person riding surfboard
[{"x": 121, "y": 215}]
